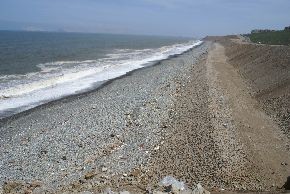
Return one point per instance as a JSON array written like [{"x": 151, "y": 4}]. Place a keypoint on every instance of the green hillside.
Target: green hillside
[{"x": 273, "y": 38}]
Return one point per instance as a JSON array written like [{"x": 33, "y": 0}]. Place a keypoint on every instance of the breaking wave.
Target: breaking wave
[{"x": 62, "y": 78}]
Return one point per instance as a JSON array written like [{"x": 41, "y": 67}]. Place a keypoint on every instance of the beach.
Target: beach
[{"x": 210, "y": 115}]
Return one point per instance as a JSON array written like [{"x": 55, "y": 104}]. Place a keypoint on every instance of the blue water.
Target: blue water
[{"x": 37, "y": 67}]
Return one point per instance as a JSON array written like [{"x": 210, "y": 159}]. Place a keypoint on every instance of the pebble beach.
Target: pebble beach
[
  {"x": 191, "y": 117},
  {"x": 114, "y": 129}
]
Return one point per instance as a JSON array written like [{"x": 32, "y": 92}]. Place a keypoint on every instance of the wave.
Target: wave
[{"x": 62, "y": 78}]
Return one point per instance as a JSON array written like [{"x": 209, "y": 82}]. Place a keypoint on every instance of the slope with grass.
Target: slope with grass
[{"x": 273, "y": 38}]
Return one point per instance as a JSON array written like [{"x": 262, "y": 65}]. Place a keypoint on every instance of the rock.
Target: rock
[
  {"x": 177, "y": 190},
  {"x": 124, "y": 192},
  {"x": 104, "y": 169},
  {"x": 176, "y": 187},
  {"x": 135, "y": 172},
  {"x": 89, "y": 175},
  {"x": 170, "y": 181},
  {"x": 36, "y": 184},
  {"x": 200, "y": 190}
]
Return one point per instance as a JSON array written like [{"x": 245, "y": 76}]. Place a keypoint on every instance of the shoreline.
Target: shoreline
[
  {"x": 68, "y": 129},
  {"x": 94, "y": 88},
  {"x": 209, "y": 116}
]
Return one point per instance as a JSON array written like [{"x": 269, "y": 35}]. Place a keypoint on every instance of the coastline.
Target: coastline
[
  {"x": 94, "y": 88},
  {"x": 37, "y": 129},
  {"x": 198, "y": 116}
]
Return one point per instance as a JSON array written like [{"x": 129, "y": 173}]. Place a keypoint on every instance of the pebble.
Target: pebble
[
  {"x": 89, "y": 175},
  {"x": 75, "y": 131},
  {"x": 124, "y": 192}
]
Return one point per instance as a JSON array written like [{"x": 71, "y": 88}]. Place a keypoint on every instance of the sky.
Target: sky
[{"x": 190, "y": 18}]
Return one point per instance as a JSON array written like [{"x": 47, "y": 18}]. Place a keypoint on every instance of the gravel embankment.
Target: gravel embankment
[
  {"x": 87, "y": 139},
  {"x": 199, "y": 117},
  {"x": 266, "y": 70}
]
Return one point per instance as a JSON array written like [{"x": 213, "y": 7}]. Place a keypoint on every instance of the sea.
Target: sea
[{"x": 39, "y": 67}]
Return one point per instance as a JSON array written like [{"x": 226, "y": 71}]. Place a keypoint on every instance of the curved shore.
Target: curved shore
[
  {"x": 194, "y": 117},
  {"x": 60, "y": 142}
]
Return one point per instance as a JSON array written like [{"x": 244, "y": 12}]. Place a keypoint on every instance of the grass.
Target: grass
[{"x": 273, "y": 38}]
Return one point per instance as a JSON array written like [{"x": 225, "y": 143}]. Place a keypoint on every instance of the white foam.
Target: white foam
[{"x": 62, "y": 78}]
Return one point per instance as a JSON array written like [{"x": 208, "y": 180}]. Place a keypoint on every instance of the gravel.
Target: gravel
[
  {"x": 177, "y": 118},
  {"x": 85, "y": 141}
]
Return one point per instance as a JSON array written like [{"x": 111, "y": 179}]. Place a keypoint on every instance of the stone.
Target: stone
[
  {"x": 36, "y": 183},
  {"x": 124, "y": 192},
  {"x": 135, "y": 172},
  {"x": 89, "y": 175},
  {"x": 177, "y": 190},
  {"x": 200, "y": 190},
  {"x": 175, "y": 186}
]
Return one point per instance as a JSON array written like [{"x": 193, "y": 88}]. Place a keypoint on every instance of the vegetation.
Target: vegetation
[{"x": 274, "y": 38}]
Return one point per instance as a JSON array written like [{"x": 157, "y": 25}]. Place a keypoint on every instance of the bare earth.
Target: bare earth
[
  {"x": 222, "y": 121},
  {"x": 263, "y": 145},
  {"x": 236, "y": 144}
]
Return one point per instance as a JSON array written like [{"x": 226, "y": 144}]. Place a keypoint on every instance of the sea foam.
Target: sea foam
[{"x": 62, "y": 78}]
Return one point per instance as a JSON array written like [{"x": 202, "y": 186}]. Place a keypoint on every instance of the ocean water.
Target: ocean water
[{"x": 38, "y": 67}]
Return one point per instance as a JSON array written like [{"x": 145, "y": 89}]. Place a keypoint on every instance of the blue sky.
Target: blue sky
[{"x": 154, "y": 17}]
